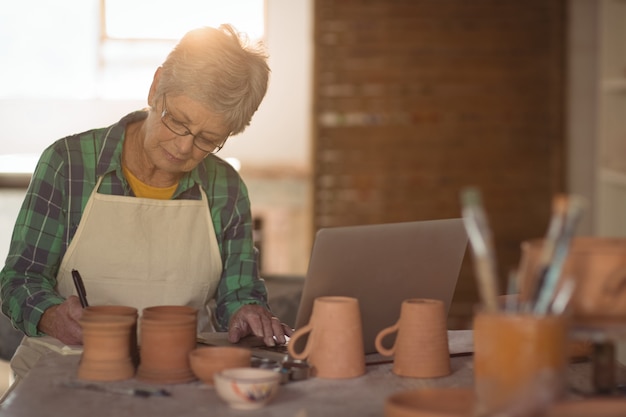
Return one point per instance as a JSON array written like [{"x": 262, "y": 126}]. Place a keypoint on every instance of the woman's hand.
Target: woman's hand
[
  {"x": 253, "y": 319},
  {"x": 61, "y": 321}
]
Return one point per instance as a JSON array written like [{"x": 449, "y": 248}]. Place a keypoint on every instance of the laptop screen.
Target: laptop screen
[{"x": 382, "y": 265}]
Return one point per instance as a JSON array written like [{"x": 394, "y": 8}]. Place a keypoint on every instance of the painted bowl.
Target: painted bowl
[
  {"x": 247, "y": 388},
  {"x": 206, "y": 361}
]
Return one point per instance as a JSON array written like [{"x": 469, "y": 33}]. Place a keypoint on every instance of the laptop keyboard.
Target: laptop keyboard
[{"x": 276, "y": 348}]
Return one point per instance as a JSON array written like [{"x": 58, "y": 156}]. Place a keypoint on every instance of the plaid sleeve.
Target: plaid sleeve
[
  {"x": 240, "y": 283},
  {"x": 28, "y": 279}
]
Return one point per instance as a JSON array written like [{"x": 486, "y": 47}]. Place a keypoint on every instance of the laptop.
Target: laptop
[{"x": 382, "y": 265}]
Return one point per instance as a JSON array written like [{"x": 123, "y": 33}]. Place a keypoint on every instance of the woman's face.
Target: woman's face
[{"x": 195, "y": 125}]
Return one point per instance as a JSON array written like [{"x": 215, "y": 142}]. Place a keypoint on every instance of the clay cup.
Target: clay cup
[
  {"x": 166, "y": 339},
  {"x": 517, "y": 357},
  {"x": 106, "y": 348},
  {"x": 119, "y": 310},
  {"x": 421, "y": 346},
  {"x": 334, "y": 347}
]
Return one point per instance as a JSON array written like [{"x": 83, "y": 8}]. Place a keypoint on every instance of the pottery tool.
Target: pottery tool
[
  {"x": 557, "y": 220},
  {"x": 136, "y": 392},
  {"x": 481, "y": 241},
  {"x": 80, "y": 288},
  {"x": 575, "y": 209},
  {"x": 511, "y": 303},
  {"x": 563, "y": 297}
]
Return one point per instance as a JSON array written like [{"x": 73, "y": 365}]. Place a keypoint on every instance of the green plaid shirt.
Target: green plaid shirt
[{"x": 60, "y": 187}]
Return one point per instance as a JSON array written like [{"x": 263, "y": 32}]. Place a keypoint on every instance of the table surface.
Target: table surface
[{"x": 47, "y": 391}]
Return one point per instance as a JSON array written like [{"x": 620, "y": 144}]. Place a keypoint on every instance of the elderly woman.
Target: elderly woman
[{"x": 145, "y": 210}]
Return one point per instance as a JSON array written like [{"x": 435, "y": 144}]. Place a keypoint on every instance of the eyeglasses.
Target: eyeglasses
[{"x": 179, "y": 128}]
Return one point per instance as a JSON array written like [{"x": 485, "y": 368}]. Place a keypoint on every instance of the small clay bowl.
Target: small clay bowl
[
  {"x": 431, "y": 402},
  {"x": 597, "y": 407},
  {"x": 247, "y": 388},
  {"x": 207, "y": 360}
]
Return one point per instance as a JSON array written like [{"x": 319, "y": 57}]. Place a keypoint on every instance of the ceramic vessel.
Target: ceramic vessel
[
  {"x": 431, "y": 402},
  {"x": 334, "y": 347},
  {"x": 597, "y": 264},
  {"x": 106, "y": 348},
  {"x": 518, "y": 357},
  {"x": 165, "y": 344},
  {"x": 168, "y": 311},
  {"x": 119, "y": 310},
  {"x": 577, "y": 350},
  {"x": 208, "y": 360},
  {"x": 421, "y": 348},
  {"x": 247, "y": 388}
]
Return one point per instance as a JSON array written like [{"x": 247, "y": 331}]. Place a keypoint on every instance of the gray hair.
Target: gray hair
[{"x": 221, "y": 69}]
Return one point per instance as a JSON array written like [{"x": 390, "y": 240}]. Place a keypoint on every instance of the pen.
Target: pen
[
  {"x": 80, "y": 288},
  {"x": 137, "y": 392}
]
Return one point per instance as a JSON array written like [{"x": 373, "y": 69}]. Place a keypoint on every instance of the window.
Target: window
[
  {"x": 136, "y": 36},
  {"x": 164, "y": 19}
]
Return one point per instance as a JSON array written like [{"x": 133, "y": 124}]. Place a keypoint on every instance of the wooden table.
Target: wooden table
[{"x": 46, "y": 392}]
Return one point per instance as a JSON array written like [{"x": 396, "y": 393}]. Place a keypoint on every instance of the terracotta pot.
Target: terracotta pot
[
  {"x": 576, "y": 349},
  {"x": 168, "y": 311},
  {"x": 598, "y": 266},
  {"x": 335, "y": 339},
  {"x": 517, "y": 357},
  {"x": 118, "y": 310},
  {"x": 421, "y": 345},
  {"x": 106, "y": 348},
  {"x": 165, "y": 346}
]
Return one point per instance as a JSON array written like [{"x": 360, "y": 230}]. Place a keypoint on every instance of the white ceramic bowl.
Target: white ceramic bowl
[{"x": 247, "y": 388}]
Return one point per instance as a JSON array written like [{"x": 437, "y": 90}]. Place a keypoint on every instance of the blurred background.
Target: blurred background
[{"x": 378, "y": 110}]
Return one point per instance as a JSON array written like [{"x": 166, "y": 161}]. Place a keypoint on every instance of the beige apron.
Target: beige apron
[{"x": 140, "y": 252}]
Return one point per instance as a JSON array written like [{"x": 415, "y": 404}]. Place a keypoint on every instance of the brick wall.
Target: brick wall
[{"x": 416, "y": 99}]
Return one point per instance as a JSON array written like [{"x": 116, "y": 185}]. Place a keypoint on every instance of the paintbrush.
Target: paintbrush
[
  {"x": 479, "y": 233},
  {"x": 563, "y": 297},
  {"x": 511, "y": 303},
  {"x": 575, "y": 209},
  {"x": 557, "y": 220}
]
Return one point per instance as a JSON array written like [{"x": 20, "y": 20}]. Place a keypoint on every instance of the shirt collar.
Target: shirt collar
[{"x": 110, "y": 158}]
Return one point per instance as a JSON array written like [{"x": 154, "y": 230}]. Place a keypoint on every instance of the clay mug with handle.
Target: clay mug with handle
[
  {"x": 421, "y": 346},
  {"x": 334, "y": 348}
]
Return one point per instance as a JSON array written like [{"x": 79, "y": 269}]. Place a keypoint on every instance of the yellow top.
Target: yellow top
[{"x": 144, "y": 190}]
